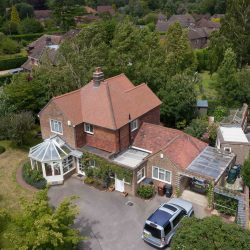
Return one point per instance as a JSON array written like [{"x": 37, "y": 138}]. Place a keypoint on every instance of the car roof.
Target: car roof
[{"x": 160, "y": 217}]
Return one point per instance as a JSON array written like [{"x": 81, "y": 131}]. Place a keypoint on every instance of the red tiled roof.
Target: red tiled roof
[
  {"x": 179, "y": 147},
  {"x": 105, "y": 9},
  {"x": 110, "y": 105}
]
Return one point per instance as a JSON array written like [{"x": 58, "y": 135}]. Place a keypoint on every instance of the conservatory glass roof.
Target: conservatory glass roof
[{"x": 52, "y": 149}]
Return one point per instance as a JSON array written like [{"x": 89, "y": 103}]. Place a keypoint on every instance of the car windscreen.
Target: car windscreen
[{"x": 155, "y": 232}]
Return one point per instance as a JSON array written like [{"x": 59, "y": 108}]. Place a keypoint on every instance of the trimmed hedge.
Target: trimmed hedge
[
  {"x": 26, "y": 37},
  {"x": 146, "y": 191},
  {"x": 2, "y": 149},
  {"x": 33, "y": 177},
  {"x": 12, "y": 63}
]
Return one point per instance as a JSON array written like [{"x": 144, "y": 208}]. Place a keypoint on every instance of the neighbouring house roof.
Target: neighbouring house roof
[
  {"x": 37, "y": 47},
  {"x": 233, "y": 134},
  {"x": 86, "y": 19},
  {"x": 42, "y": 14},
  {"x": 205, "y": 23},
  {"x": 202, "y": 103},
  {"x": 161, "y": 25},
  {"x": 197, "y": 33},
  {"x": 90, "y": 10},
  {"x": 28, "y": 65},
  {"x": 52, "y": 149},
  {"x": 211, "y": 163},
  {"x": 179, "y": 147},
  {"x": 111, "y": 105},
  {"x": 105, "y": 9}
]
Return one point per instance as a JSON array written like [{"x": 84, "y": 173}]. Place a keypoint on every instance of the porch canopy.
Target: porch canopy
[
  {"x": 211, "y": 163},
  {"x": 54, "y": 158}
]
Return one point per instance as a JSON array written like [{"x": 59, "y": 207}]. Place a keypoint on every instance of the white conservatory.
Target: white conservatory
[{"x": 55, "y": 159}]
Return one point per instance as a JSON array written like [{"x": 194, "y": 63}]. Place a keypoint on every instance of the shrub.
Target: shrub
[
  {"x": 89, "y": 180},
  {"x": 2, "y": 149},
  {"x": 8, "y": 46},
  {"x": 30, "y": 25},
  {"x": 146, "y": 191},
  {"x": 33, "y": 177},
  {"x": 5, "y": 79},
  {"x": 225, "y": 204}
]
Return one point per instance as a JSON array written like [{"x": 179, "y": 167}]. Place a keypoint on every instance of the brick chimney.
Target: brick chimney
[{"x": 98, "y": 77}]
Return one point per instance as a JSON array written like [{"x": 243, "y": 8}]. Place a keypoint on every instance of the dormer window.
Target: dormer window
[
  {"x": 56, "y": 127},
  {"x": 88, "y": 128},
  {"x": 134, "y": 125}
]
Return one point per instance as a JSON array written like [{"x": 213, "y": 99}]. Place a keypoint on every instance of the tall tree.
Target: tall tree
[
  {"x": 235, "y": 27},
  {"x": 179, "y": 54},
  {"x": 226, "y": 77},
  {"x": 179, "y": 98},
  {"x": 14, "y": 16}
]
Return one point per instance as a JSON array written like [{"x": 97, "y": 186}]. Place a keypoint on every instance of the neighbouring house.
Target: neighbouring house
[
  {"x": 46, "y": 48},
  {"x": 105, "y": 9},
  {"x": 90, "y": 10},
  {"x": 119, "y": 122},
  {"x": 185, "y": 21},
  {"x": 233, "y": 139},
  {"x": 42, "y": 15},
  {"x": 44, "y": 45},
  {"x": 198, "y": 37},
  {"x": 208, "y": 25},
  {"x": 202, "y": 107}
]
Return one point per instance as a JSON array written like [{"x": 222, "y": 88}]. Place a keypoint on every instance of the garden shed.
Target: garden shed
[{"x": 55, "y": 159}]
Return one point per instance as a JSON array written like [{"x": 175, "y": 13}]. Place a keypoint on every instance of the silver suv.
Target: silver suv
[{"x": 161, "y": 226}]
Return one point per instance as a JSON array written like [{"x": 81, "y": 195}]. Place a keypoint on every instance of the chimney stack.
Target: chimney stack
[{"x": 98, "y": 76}]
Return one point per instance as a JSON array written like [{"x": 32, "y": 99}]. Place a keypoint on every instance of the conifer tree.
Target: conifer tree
[{"x": 14, "y": 16}]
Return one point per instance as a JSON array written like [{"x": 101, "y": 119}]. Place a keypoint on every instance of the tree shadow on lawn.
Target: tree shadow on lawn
[{"x": 92, "y": 238}]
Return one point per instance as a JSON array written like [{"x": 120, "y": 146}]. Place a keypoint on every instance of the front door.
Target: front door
[{"x": 119, "y": 185}]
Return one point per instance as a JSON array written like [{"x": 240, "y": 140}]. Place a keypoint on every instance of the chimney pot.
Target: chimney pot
[{"x": 98, "y": 76}]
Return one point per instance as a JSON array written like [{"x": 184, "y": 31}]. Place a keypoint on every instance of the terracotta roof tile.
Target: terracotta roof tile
[
  {"x": 181, "y": 148},
  {"x": 108, "y": 105}
]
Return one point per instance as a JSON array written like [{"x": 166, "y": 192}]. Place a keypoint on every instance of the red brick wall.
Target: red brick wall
[
  {"x": 163, "y": 163},
  {"x": 52, "y": 112},
  {"x": 102, "y": 138}
]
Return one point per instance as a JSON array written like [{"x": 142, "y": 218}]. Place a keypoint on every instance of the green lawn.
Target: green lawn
[
  {"x": 207, "y": 91},
  {"x": 10, "y": 191}
]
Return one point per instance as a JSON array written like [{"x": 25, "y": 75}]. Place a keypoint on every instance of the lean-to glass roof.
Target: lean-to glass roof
[
  {"x": 52, "y": 149},
  {"x": 211, "y": 163}
]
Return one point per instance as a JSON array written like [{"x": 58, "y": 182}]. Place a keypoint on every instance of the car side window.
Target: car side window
[
  {"x": 178, "y": 218},
  {"x": 167, "y": 229}
]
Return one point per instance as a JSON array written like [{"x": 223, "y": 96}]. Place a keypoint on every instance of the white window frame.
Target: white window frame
[
  {"x": 52, "y": 121},
  {"x": 158, "y": 179},
  {"x": 134, "y": 125},
  {"x": 87, "y": 128},
  {"x": 139, "y": 172}
]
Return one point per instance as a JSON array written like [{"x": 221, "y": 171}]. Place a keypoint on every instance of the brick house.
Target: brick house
[{"x": 119, "y": 122}]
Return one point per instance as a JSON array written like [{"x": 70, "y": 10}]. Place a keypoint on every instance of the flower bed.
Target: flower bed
[
  {"x": 146, "y": 191},
  {"x": 33, "y": 177}
]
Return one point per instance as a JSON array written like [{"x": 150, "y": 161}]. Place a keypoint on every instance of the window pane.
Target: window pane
[
  {"x": 155, "y": 172},
  {"x": 167, "y": 176},
  {"x": 161, "y": 175}
]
